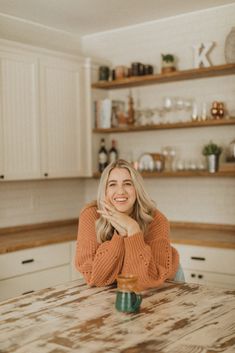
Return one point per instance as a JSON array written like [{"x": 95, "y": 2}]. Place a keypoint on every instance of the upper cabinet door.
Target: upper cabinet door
[
  {"x": 20, "y": 156},
  {"x": 60, "y": 117}
]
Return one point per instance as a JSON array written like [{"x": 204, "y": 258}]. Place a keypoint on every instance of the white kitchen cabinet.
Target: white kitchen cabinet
[
  {"x": 19, "y": 116},
  {"x": 31, "y": 282},
  {"x": 208, "y": 265},
  {"x": 60, "y": 117},
  {"x": 43, "y": 105},
  {"x": 35, "y": 268},
  {"x": 75, "y": 274}
]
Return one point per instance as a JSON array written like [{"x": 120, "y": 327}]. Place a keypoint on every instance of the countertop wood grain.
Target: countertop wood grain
[
  {"x": 19, "y": 238},
  {"x": 175, "y": 318},
  {"x": 52, "y": 233}
]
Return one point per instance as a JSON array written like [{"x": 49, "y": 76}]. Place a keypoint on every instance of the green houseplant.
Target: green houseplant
[
  {"x": 212, "y": 152},
  {"x": 168, "y": 63},
  {"x": 211, "y": 148}
]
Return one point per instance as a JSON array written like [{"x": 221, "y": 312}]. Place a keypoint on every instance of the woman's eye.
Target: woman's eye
[
  {"x": 128, "y": 184},
  {"x": 112, "y": 184}
]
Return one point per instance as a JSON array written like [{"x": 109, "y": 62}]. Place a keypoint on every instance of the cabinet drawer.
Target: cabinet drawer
[
  {"x": 210, "y": 278},
  {"x": 34, "y": 259},
  {"x": 75, "y": 274},
  {"x": 34, "y": 281},
  {"x": 206, "y": 258}
]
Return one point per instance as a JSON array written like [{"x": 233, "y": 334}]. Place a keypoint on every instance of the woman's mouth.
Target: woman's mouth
[{"x": 120, "y": 199}]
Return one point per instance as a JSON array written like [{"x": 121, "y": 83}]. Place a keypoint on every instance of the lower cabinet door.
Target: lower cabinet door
[
  {"x": 34, "y": 281},
  {"x": 210, "y": 278},
  {"x": 75, "y": 274}
]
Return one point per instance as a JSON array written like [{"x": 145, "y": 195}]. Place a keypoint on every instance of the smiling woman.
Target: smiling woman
[{"x": 123, "y": 233}]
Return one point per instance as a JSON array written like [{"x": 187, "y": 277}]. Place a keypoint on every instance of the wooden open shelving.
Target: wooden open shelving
[
  {"x": 206, "y": 72},
  {"x": 164, "y": 126},
  {"x": 182, "y": 174},
  {"x": 192, "y": 74}
]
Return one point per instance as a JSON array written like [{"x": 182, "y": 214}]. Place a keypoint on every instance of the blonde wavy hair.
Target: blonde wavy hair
[{"x": 143, "y": 210}]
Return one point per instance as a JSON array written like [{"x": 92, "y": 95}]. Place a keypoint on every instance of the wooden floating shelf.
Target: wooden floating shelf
[
  {"x": 179, "y": 125},
  {"x": 183, "y": 173},
  {"x": 213, "y": 71}
]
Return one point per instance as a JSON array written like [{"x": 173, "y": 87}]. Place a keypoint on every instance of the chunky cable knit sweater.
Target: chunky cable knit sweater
[{"x": 149, "y": 256}]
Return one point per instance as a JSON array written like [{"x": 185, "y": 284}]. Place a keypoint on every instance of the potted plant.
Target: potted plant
[
  {"x": 168, "y": 63},
  {"x": 212, "y": 151}
]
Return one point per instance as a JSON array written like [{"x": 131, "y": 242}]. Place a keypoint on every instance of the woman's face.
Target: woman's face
[{"x": 120, "y": 191}]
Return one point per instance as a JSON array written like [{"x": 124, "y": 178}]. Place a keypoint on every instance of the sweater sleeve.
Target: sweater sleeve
[
  {"x": 99, "y": 263},
  {"x": 151, "y": 258}
]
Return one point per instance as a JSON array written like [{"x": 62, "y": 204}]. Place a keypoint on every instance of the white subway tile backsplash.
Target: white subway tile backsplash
[{"x": 39, "y": 201}]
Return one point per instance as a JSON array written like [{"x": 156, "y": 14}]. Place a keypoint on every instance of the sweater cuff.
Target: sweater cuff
[
  {"x": 135, "y": 242},
  {"x": 116, "y": 240}
]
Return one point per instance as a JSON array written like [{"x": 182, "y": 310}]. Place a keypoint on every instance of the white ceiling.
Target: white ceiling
[{"x": 84, "y": 17}]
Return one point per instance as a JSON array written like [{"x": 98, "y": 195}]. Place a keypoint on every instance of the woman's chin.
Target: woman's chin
[
  {"x": 122, "y": 208},
  {"x": 119, "y": 207}
]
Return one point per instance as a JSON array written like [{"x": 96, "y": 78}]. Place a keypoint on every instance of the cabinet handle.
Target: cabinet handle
[
  {"x": 2, "y": 176},
  {"x": 27, "y": 292},
  {"x": 193, "y": 275},
  {"x": 27, "y": 261},
  {"x": 46, "y": 174},
  {"x": 200, "y": 276},
  {"x": 198, "y": 258}
]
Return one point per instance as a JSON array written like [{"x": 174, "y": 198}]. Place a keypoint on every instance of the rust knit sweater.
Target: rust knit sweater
[{"x": 149, "y": 256}]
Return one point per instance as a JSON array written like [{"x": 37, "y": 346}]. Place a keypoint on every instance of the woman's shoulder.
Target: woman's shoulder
[
  {"x": 159, "y": 218},
  {"x": 159, "y": 226},
  {"x": 89, "y": 209}
]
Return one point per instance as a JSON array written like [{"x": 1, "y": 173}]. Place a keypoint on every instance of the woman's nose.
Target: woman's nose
[{"x": 120, "y": 189}]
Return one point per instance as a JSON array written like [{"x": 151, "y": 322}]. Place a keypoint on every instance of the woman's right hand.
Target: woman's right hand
[
  {"x": 106, "y": 214},
  {"x": 119, "y": 220}
]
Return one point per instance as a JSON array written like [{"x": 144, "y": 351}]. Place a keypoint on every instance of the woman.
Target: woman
[{"x": 123, "y": 232}]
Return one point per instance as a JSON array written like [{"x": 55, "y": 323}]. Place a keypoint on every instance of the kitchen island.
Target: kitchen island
[{"x": 175, "y": 318}]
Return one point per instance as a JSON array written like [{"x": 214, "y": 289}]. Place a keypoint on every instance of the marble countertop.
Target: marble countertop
[
  {"x": 19, "y": 238},
  {"x": 175, "y": 318}
]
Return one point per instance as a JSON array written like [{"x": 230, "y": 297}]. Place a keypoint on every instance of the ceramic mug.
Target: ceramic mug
[{"x": 127, "y": 300}]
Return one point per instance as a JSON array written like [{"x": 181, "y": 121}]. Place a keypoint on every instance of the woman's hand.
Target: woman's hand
[{"x": 124, "y": 224}]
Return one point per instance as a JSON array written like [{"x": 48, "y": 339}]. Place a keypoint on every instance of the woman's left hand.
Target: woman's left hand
[{"x": 123, "y": 220}]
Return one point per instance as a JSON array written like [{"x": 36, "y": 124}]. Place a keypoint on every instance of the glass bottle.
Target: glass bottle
[
  {"x": 113, "y": 152},
  {"x": 102, "y": 156}
]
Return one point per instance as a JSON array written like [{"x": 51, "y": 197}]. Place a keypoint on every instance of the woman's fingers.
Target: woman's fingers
[
  {"x": 108, "y": 206},
  {"x": 114, "y": 221}
]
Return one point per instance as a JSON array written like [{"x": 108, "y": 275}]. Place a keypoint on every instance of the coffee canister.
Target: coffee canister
[
  {"x": 148, "y": 69},
  {"x": 135, "y": 69},
  {"x": 104, "y": 73}
]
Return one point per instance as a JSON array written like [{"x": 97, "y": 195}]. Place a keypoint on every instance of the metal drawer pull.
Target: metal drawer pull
[
  {"x": 30, "y": 291},
  {"x": 193, "y": 275},
  {"x": 200, "y": 276},
  {"x": 27, "y": 261},
  {"x": 198, "y": 258}
]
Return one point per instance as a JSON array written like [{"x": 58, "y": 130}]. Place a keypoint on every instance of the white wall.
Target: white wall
[
  {"x": 192, "y": 199},
  {"x": 26, "y": 32}
]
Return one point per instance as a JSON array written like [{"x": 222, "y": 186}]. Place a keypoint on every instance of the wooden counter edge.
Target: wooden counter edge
[
  {"x": 36, "y": 226},
  {"x": 209, "y": 226},
  {"x": 38, "y": 241}
]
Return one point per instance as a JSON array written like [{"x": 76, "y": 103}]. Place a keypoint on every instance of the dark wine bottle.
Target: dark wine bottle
[
  {"x": 113, "y": 152},
  {"x": 102, "y": 156}
]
